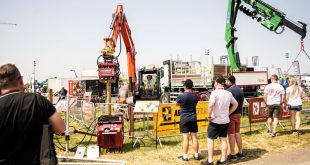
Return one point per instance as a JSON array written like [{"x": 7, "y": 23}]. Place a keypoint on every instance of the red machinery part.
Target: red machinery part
[
  {"x": 108, "y": 71},
  {"x": 110, "y": 131}
]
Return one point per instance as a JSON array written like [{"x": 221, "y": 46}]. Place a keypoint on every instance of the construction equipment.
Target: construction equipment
[
  {"x": 168, "y": 80},
  {"x": 269, "y": 17},
  {"x": 149, "y": 83},
  {"x": 110, "y": 131},
  {"x": 108, "y": 69}
]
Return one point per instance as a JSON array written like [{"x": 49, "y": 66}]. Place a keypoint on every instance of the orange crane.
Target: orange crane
[{"x": 108, "y": 69}]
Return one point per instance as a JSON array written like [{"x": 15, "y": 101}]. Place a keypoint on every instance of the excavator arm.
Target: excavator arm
[
  {"x": 269, "y": 17},
  {"x": 108, "y": 70}
]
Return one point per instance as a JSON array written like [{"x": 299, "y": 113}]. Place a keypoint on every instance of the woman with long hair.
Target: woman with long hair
[{"x": 294, "y": 95}]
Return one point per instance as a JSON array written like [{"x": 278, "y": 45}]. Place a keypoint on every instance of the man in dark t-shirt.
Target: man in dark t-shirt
[
  {"x": 22, "y": 116},
  {"x": 188, "y": 120},
  {"x": 234, "y": 124}
]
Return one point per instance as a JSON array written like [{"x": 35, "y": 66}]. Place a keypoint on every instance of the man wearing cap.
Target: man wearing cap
[
  {"x": 234, "y": 124},
  {"x": 218, "y": 116}
]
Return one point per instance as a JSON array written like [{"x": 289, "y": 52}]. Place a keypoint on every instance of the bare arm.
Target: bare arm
[
  {"x": 233, "y": 107},
  {"x": 210, "y": 110},
  {"x": 57, "y": 123},
  {"x": 265, "y": 97},
  {"x": 287, "y": 97}
]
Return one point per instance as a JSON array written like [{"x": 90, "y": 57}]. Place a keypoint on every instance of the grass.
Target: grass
[{"x": 256, "y": 144}]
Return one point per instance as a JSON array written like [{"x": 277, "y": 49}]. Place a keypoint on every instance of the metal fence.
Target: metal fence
[{"x": 85, "y": 112}]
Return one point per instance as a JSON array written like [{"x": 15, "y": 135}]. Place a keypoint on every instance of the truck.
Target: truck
[{"x": 169, "y": 78}]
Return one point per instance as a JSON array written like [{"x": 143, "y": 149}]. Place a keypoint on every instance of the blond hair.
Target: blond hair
[{"x": 295, "y": 88}]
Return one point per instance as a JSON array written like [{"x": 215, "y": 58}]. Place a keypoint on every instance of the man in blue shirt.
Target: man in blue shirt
[
  {"x": 234, "y": 124},
  {"x": 188, "y": 120}
]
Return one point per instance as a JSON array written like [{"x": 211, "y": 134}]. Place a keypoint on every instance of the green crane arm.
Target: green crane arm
[{"x": 268, "y": 16}]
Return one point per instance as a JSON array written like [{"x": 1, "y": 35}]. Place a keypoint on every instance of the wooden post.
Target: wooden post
[
  {"x": 50, "y": 95},
  {"x": 108, "y": 101}
]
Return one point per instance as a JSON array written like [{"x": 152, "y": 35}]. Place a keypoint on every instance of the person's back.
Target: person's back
[
  {"x": 63, "y": 93},
  {"x": 222, "y": 100},
  {"x": 21, "y": 119},
  {"x": 188, "y": 102},
  {"x": 295, "y": 96},
  {"x": 273, "y": 92},
  {"x": 238, "y": 94},
  {"x": 188, "y": 120},
  {"x": 22, "y": 116},
  {"x": 274, "y": 97}
]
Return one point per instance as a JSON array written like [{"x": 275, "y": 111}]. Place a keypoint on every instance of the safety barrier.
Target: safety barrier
[
  {"x": 84, "y": 112},
  {"x": 168, "y": 119}
]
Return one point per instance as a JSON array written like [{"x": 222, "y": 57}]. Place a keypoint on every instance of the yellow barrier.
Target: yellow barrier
[{"x": 168, "y": 120}]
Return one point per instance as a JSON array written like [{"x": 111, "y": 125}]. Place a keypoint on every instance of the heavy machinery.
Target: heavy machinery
[
  {"x": 269, "y": 17},
  {"x": 108, "y": 69},
  {"x": 110, "y": 127},
  {"x": 169, "y": 78}
]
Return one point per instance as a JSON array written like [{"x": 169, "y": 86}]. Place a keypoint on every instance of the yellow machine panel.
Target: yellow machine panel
[{"x": 168, "y": 119}]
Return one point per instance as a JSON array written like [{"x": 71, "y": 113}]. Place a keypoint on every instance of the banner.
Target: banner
[
  {"x": 168, "y": 120},
  {"x": 70, "y": 85},
  {"x": 257, "y": 112}
]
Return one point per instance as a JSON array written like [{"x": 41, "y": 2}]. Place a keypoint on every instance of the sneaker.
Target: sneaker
[
  {"x": 269, "y": 132},
  {"x": 182, "y": 158},
  {"x": 240, "y": 156},
  {"x": 198, "y": 157},
  {"x": 219, "y": 162},
  {"x": 231, "y": 157},
  {"x": 273, "y": 134},
  {"x": 296, "y": 132}
]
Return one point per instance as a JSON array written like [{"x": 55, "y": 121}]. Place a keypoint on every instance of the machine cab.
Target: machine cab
[{"x": 149, "y": 83}]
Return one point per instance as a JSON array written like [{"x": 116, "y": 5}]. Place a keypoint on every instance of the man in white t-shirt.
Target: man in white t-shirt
[
  {"x": 218, "y": 116},
  {"x": 274, "y": 97}
]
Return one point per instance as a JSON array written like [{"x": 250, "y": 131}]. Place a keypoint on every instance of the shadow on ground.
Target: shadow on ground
[
  {"x": 250, "y": 154},
  {"x": 289, "y": 132}
]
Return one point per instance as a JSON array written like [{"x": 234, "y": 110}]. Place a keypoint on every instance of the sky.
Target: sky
[{"x": 63, "y": 35}]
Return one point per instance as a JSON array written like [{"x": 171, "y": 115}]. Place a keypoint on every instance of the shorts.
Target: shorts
[
  {"x": 190, "y": 126},
  {"x": 217, "y": 130},
  {"x": 295, "y": 107},
  {"x": 273, "y": 111},
  {"x": 234, "y": 124}
]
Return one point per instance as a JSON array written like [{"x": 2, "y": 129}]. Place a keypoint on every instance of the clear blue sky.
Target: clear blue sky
[{"x": 68, "y": 34}]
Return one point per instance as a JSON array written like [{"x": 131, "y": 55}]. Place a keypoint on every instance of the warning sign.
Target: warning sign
[
  {"x": 168, "y": 119},
  {"x": 257, "y": 111}
]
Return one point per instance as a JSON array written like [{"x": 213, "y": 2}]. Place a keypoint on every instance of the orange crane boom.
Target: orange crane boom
[{"x": 109, "y": 69}]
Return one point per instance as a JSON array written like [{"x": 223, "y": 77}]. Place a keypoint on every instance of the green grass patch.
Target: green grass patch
[{"x": 255, "y": 144}]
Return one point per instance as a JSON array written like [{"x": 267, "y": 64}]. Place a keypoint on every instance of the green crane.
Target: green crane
[{"x": 268, "y": 16}]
